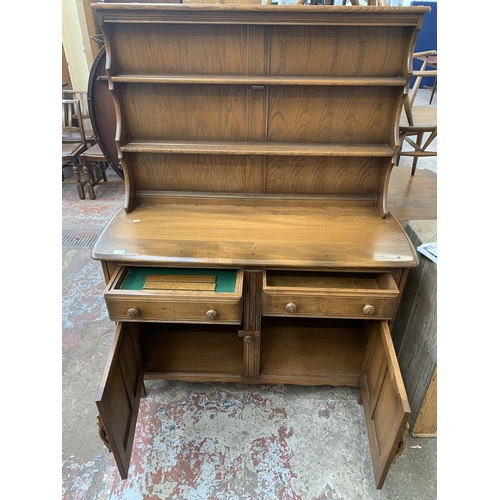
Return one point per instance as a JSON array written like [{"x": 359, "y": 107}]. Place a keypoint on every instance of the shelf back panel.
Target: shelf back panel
[
  {"x": 378, "y": 51},
  {"x": 309, "y": 114},
  {"x": 283, "y": 175},
  {"x": 176, "y": 49}
]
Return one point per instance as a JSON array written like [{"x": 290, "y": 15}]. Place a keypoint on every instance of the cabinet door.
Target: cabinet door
[
  {"x": 120, "y": 392},
  {"x": 384, "y": 400}
]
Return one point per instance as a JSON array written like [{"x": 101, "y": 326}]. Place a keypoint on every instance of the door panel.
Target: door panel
[
  {"x": 119, "y": 394},
  {"x": 384, "y": 400}
]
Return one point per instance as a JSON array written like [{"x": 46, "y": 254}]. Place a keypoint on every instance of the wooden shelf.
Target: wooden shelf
[
  {"x": 263, "y": 80},
  {"x": 258, "y": 148}
]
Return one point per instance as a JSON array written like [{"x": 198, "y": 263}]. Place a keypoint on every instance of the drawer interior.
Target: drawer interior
[
  {"x": 223, "y": 279},
  {"x": 332, "y": 281}
]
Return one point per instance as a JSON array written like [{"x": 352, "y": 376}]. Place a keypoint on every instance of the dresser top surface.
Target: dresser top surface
[{"x": 267, "y": 235}]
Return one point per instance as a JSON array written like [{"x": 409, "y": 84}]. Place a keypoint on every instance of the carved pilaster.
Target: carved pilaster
[{"x": 252, "y": 314}]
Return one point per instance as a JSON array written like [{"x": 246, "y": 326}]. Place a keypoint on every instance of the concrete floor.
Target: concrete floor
[{"x": 208, "y": 441}]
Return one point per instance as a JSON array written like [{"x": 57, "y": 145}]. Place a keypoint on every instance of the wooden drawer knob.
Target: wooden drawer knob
[
  {"x": 368, "y": 309},
  {"x": 212, "y": 314},
  {"x": 291, "y": 307},
  {"x": 133, "y": 313}
]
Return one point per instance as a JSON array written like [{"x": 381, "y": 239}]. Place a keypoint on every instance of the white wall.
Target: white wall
[{"x": 76, "y": 43}]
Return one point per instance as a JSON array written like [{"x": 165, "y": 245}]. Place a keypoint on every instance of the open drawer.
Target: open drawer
[
  {"x": 329, "y": 294},
  {"x": 175, "y": 295}
]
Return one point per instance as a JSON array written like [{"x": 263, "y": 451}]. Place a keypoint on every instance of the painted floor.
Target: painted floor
[{"x": 197, "y": 441}]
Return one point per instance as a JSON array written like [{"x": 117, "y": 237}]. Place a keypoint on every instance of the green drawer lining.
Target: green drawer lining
[{"x": 225, "y": 281}]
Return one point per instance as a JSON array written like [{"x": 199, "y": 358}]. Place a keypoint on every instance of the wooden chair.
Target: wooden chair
[
  {"x": 82, "y": 99},
  {"x": 95, "y": 164},
  {"x": 71, "y": 151},
  {"x": 417, "y": 121}
]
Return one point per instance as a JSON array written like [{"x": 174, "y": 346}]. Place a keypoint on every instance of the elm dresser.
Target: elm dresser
[{"x": 255, "y": 244}]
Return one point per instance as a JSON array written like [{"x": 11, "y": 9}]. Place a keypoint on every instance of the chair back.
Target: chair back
[
  {"x": 81, "y": 97},
  {"x": 418, "y": 74},
  {"x": 71, "y": 113}
]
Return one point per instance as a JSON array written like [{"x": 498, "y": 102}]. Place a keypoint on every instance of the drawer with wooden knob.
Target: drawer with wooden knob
[
  {"x": 329, "y": 294},
  {"x": 175, "y": 295}
]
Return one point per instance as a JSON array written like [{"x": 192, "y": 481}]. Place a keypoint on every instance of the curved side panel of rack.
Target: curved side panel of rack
[
  {"x": 395, "y": 141},
  {"x": 121, "y": 136}
]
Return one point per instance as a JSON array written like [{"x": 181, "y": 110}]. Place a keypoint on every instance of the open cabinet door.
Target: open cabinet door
[
  {"x": 384, "y": 400},
  {"x": 119, "y": 394}
]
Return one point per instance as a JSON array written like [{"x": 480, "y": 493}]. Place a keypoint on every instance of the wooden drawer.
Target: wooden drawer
[
  {"x": 175, "y": 295},
  {"x": 329, "y": 295}
]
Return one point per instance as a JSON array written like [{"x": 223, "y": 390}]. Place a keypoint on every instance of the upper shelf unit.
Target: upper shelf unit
[{"x": 264, "y": 100}]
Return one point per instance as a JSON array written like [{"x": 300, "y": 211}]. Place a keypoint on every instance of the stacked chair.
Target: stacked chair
[{"x": 80, "y": 150}]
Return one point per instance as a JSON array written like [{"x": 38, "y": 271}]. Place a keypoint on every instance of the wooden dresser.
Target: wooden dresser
[{"x": 255, "y": 244}]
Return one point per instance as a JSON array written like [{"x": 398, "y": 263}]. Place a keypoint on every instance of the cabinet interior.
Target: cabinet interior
[{"x": 293, "y": 350}]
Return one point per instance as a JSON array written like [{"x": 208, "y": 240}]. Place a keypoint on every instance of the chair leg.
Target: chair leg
[
  {"x": 98, "y": 171},
  {"x": 402, "y": 137},
  {"x": 90, "y": 182},
  {"x": 420, "y": 138},
  {"x": 434, "y": 87},
  {"x": 79, "y": 183},
  {"x": 429, "y": 140},
  {"x": 103, "y": 165}
]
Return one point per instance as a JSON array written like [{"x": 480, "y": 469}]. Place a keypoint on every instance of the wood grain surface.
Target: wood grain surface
[{"x": 259, "y": 235}]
